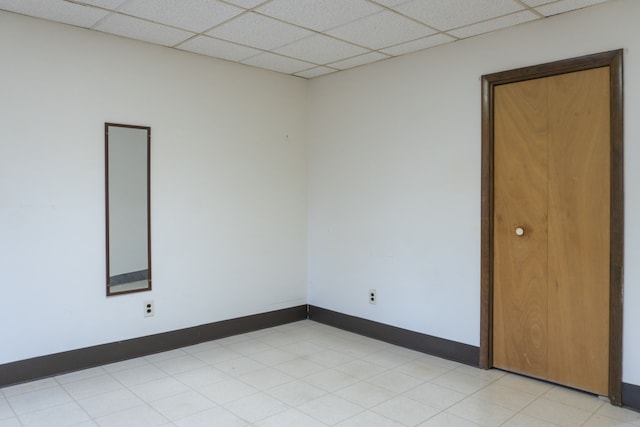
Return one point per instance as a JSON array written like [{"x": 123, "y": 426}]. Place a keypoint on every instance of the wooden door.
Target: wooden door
[{"x": 551, "y": 225}]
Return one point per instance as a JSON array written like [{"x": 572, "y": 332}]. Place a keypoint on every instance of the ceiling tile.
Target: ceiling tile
[
  {"x": 367, "y": 58},
  {"x": 319, "y": 15},
  {"x": 247, "y": 4},
  {"x": 218, "y": 48},
  {"x": 447, "y": 14},
  {"x": 320, "y": 49},
  {"x": 535, "y": 2},
  {"x": 566, "y": 6},
  {"x": 416, "y": 45},
  {"x": 56, "y": 10},
  {"x": 391, "y": 3},
  {"x": 358, "y": 32},
  {"x": 495, "y": 24},
  {"x": 315, "y": 72},
  {"x": 259, "y": 31},
  {"x": 138, "y": 29},
  {"x": 107, "y": 4},
  {"x": 381, "y": 30},
  {"x": 191, "y": 15},
  {"x": 278, "y": 63}
]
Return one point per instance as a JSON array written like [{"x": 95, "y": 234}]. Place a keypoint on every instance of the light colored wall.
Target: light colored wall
[
  {"x": 228, "y": 195},
  {"x": 394, "y": 182},
  {"x": 395, "y": 175}
]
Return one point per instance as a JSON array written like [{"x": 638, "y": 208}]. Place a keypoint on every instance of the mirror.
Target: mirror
[{"x": 127, "y": 208}]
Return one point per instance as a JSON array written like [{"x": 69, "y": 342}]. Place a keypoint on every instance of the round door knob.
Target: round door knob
[{"x": 519, "y": 231}]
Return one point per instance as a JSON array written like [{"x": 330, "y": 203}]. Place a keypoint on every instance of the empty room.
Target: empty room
[{"x": 319, "y": 212}]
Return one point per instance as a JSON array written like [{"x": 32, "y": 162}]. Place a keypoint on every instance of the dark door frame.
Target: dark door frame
[{"x": 613, "y": 60}]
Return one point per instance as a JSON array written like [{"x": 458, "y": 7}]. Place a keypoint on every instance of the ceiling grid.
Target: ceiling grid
[{"x": 304, "y": 38}]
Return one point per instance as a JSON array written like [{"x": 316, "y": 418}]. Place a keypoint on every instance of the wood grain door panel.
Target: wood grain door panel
[
  {"x": 579, "y": 197},
  {"x": 520, "y": 200},
  {"x": 552, "y": 178}
]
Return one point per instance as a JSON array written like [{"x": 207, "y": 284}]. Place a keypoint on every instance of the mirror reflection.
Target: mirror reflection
[{"x": 127, "y": 202}]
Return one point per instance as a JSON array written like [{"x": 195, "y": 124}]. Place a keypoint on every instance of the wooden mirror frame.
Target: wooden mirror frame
[{"x": 147, "y": 165}]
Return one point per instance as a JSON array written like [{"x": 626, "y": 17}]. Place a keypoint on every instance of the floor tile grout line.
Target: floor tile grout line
[
  {"x": 593, "y": 414},
  {"x": 362, "y": 358},
  {"x": 521, "y": 411},
  {"x": 374, "y": 355},
  {"x": 20, "y": 417},
  {"x": 326, "y": 392},
  {"x": 388, "y": 369},
  {"x": 15, "y": 414},
  {"x": 399, "y": 394},
  {"x": 144, "y": 403}
]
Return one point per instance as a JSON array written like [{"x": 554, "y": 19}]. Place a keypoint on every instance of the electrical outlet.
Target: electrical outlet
[
  {"x": 149, "y": 310},
  {"x": 373, "y": 296}
]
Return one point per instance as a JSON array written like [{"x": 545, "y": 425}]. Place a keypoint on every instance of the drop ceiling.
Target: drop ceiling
[{"x": 304, "y": 38}]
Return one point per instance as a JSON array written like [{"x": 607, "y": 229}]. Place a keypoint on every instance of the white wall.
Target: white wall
[
  {"x": 395, "y": 175},
  {"x": 394, "y": 182},
  {"x": 228, "y": 197}
]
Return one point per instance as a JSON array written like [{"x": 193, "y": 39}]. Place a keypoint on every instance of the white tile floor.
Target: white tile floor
[{"x": 300, "y": 374}]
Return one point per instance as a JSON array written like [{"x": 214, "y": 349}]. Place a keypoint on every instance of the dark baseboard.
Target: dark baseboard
[
  {"x": 435, "y": 346},
  {"x": 631, "y": 396},
  {"x": 73, "y": 360}
]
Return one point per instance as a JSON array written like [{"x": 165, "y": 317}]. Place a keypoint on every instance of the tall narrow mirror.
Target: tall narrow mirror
[{"x": 127, "y": 208}]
